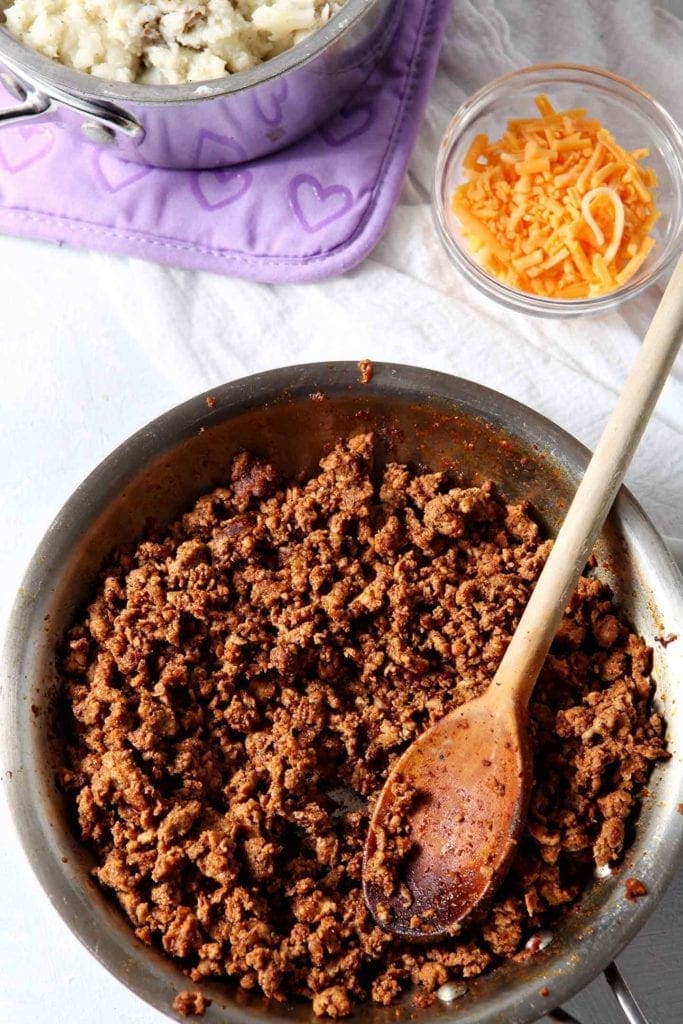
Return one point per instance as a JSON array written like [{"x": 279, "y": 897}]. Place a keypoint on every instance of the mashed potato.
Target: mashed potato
[{"x": 165, "y": 41}]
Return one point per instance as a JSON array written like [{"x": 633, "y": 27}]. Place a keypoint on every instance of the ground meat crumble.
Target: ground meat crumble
[
  {"x": 366, "y": 370},
  {"x": 191, "y": 1004},
  {"x": 243, "y": 681},
  {"x": 634, "y": 889}
]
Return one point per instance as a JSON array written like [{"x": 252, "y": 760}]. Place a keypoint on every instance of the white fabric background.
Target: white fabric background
[{"x": 92, "y": 347}]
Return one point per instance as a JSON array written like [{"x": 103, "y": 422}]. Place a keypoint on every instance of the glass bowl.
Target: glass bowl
[{"x": 634, "y": 118}]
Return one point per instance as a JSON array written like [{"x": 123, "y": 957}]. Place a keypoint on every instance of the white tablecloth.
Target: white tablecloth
[{"x": 92, "y": 347}]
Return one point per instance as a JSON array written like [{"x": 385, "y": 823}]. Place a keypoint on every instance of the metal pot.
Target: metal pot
[
  {"x": 419, "y": 416},
  {"x": 212, "y": 124}
]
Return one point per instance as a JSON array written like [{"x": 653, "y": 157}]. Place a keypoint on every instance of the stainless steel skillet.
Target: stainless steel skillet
[{"x": 420, "y": 416}]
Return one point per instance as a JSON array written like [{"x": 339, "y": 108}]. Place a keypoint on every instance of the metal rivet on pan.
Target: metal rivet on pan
[
  {"x": 602, "y": 871},
  {"x": 97, "y": 133},
  {"x": 451, "y": 990}
]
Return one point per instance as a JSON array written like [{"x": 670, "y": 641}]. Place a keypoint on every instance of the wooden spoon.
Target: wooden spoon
[{"x": 471, "y": 772}]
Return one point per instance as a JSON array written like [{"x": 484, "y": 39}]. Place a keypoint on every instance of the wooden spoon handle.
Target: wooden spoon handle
[{"x": 524, "y": 657}]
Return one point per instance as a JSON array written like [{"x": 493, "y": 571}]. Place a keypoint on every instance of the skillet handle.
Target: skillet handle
[
  {"x": 628, "y": 1005},
  {"x": 623, "y": 995}
]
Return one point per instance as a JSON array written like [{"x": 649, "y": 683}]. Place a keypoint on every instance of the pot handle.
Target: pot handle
[
  {"x": 103, "y": 122},
  {"x": 32, "y": 103}
]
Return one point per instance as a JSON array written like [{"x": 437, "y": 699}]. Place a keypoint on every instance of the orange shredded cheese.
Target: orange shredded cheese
[{"x": 556, "y": 207}]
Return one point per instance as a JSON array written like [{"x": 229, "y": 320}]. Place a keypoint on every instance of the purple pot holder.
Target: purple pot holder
[{"x": 311, "y": 211}]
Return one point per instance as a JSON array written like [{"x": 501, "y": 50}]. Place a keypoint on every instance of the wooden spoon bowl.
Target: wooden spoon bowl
[{"x": 465, "y": 821}]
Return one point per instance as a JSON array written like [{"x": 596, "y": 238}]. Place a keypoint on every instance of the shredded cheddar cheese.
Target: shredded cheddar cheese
[{"x": 556, "y": 207}]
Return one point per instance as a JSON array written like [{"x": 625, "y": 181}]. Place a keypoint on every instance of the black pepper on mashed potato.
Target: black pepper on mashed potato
[
  {"x": 165, "y": 42},
  {"x": 243, "y": 681}
]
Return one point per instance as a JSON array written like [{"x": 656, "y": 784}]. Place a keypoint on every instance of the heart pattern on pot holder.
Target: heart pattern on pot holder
[{"x": 311, "y": 211}]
